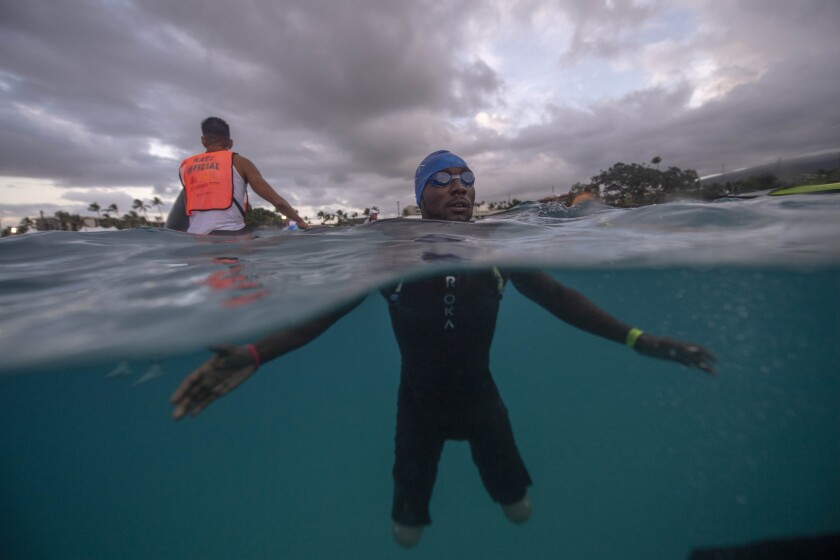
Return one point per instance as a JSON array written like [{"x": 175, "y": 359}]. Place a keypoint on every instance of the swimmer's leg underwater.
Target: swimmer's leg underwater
[{"x": 423, "y": 425}]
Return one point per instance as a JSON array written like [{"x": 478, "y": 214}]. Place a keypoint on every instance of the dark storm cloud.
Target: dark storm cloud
[
  {"x": 337, "y": 101},
  {"x": 323, "y": 70},
  {"x": 85, "y": 76},
  {"x": 75, "y": 89}
]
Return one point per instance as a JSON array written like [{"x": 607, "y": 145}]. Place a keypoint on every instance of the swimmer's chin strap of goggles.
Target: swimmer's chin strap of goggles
[{"x": 443, "y": 178}]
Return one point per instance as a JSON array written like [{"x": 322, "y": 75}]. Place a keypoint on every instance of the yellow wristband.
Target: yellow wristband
[{"x": 632, "y": 336}]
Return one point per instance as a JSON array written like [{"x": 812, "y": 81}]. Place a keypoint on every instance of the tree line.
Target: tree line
[
  {"x": 260, "y": 217},
  {"x": 622, "y": 185},
  {"x": 107, "y": 217},
  {"x": 765, "y": 181},
  {"x": 634, "y": 184}
]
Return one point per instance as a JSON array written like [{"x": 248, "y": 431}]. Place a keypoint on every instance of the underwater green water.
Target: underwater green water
[{"x": 631, "y": 458}]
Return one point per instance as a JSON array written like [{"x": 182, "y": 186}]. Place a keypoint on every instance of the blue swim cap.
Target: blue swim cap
[{"x": 434, "y": 162}]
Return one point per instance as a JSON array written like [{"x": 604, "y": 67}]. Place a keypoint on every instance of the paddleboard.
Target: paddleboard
[{"x": 806, "y": 189}]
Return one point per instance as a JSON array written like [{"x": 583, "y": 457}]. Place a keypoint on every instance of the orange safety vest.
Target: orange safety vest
[{"x": 208, "y": 182}]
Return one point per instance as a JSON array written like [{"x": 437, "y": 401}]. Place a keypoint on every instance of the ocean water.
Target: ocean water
[{"x": 632, "y": 458}]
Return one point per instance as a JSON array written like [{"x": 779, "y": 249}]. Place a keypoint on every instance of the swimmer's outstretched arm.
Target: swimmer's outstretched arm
[
  {"x": 574, "y": 308},
  {"x": 233, "y": 365}
]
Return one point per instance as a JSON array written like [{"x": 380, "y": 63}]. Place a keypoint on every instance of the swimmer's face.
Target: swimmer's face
[{"x": 453, "y": 202}]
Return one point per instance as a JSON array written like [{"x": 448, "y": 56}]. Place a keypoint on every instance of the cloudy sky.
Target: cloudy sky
[{"x": 337, "y": 101}]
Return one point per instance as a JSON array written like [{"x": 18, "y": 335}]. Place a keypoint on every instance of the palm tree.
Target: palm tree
[
  {"x": 655, "y": 161},
  {"x": 132, "y": 219},
  {"x": 140, "y": 205},
  {"x": 94, "y": 207},
  {"x": 26, "y": 223},
  {"x": 113, "y": 209},
  {"x": 69, "y": 222},
  {"x": 158, "y": 203}
]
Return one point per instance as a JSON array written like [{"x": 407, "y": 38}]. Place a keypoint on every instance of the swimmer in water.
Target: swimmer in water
[
  {"x": 444, "y": 326},
  {"x": 373, "y": 215}
]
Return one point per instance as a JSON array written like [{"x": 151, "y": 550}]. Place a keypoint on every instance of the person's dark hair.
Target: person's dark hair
[{"x": 215, "y": 128}]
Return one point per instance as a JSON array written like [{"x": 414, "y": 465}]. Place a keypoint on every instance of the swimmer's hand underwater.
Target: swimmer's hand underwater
[
  {"x": 218, "y": 376},
  {"x": 691, "y": 355},
  {"x": 233, "y": 365}
]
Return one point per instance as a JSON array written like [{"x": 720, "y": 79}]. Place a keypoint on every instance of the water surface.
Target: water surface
[{"x": 631, "y": 457}]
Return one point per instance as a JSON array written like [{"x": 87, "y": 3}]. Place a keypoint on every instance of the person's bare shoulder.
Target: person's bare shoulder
[{"x": 245, "y": 167}]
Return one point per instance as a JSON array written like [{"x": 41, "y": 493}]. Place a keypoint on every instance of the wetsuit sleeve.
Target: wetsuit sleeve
[
  {"x": 572, "y": 307},
  {"x": 283, "y": 342},
  {"x": 569, "y": 305}
]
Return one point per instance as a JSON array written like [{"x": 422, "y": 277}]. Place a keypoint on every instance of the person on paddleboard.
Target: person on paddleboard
[{"x": 215, "y": 183}]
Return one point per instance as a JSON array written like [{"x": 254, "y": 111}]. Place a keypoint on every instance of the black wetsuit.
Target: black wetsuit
[{"x": 444, "y": 326}]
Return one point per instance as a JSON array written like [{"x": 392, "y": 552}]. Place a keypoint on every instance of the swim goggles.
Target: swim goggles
[{"x": 443, "y": 178}]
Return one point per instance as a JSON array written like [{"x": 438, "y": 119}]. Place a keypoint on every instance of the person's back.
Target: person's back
[
  {"x": 224, "y": 189},
  {"x": 214, "y": 195}
]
